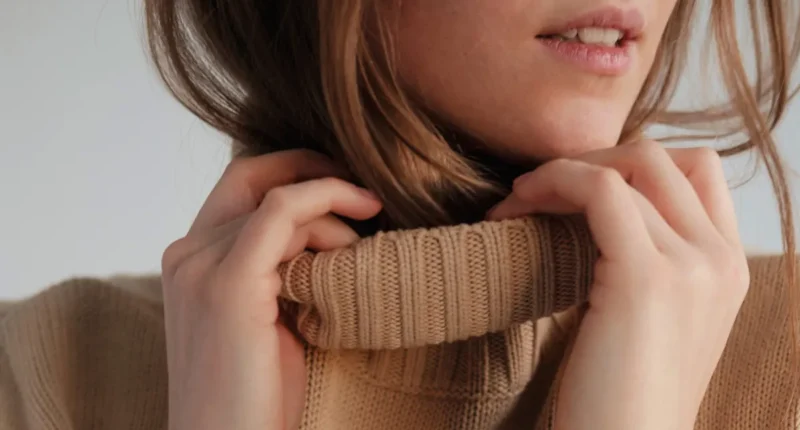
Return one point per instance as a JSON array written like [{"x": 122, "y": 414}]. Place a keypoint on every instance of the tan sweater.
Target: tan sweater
[{"x": 460, "y": 327}]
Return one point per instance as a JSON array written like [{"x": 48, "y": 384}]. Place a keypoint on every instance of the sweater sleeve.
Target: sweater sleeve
[
  {"x": 85, "y": 353},
  {"x": 429, "y": 286}
]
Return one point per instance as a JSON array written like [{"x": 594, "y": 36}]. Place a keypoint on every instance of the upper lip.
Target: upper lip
[{"x": 630, "y": 22}]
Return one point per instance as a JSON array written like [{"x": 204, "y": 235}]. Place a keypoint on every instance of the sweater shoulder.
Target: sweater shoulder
[
  {"x": 752, "y": 382},
  {"x": 140, "y": 289},
  {"x": 84, "y": 296},
  {"x": 85, "y": 353},
  {"x": 761, "y": 262},
  {"x": 769, "y": 282}
]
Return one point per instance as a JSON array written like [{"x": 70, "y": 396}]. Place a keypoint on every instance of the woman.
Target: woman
[{"x": 428, "y": 117}]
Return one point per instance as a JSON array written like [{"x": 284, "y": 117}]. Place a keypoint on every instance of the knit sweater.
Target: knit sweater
[{"x": 461, "y": 327}]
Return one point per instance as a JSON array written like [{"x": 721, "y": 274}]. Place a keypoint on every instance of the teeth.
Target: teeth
[
  {"x": 599, "y": 36},
  {"x": 569, "y": 35},
  {"x": 592, "y": 35}
]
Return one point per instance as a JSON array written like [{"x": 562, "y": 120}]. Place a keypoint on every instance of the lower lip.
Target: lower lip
[{"x": 602, "y": 60}]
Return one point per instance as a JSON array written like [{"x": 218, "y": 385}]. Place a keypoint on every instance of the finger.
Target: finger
[
  {"x": 196, "y": 242},
  {"x": 196, "y": 267},
  {"x": 648, "y": 168},
  {"x": 614, "y": 218},
  {"x": 664, "y": 237},
  {"x": 322, "y": 234},
  {"x": 264, "y": 240},
  {"x": 246, "y": 180},
  {"x": 703, "y": 169}
]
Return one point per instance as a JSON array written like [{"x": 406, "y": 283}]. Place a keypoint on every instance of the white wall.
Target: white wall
[{"x": 100, "y": 169}]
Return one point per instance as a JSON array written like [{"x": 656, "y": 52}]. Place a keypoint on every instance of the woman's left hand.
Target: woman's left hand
[{"x": 667, "y": 287}]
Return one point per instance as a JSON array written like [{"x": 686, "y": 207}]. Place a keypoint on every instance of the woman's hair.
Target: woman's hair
[{"x": 320, "y": 74}]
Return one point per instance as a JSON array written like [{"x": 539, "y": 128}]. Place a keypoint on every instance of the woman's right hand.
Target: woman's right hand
[{"x": 231, "y": 362}]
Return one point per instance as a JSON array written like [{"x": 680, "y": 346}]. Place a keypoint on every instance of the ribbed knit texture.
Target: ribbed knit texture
[
  {"x": 428, "y": 286},
  {"x": 464, "y": 327}
]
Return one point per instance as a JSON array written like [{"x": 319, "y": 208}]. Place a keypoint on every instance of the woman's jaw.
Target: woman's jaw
[{"x": 533, "y": 79}]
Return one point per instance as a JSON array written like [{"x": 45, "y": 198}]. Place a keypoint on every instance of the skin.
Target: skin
[
  {"x": 232, "y": 363},
  {"x": 478, "y": 65},
  {"x": 669, "y": 283}
]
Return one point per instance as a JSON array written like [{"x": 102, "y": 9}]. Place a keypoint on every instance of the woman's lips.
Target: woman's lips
[
  {"x": 597, "y": 58},
  {"x": 593, "y": 58},
  {"x": 630, "y": 22}
]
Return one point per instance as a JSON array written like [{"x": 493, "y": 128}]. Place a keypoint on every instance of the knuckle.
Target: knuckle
[
  {"x": 707, "y": 158},
  {"x": 649, "y": 150},
  {"x": 721, "y": 276},
  {"x": 190, "y": 272},
  {"x": 240, "y": 167},
  {"x": 649, "y": 156},
  {"x": 173, "y": 255},
  {"x": 607, "y": 181},
  {"x": 278, "y": 199},
  {"x": 239, "y": 174},
  {"x": 330, "y": 182},
  {"x": 330, "y": 186},
  {"x": 700, "y": 274},
  {"x": 560, "y": 163},
  {"x": 736, "y": 272}
]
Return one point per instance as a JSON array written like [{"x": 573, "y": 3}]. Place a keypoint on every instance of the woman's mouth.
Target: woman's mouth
[
  {"x": 608, "y": 37},
  {"x": 602, "y": 42}
]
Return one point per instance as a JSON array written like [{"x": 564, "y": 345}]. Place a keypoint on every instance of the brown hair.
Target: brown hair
[{"x": 306, "y": 74}]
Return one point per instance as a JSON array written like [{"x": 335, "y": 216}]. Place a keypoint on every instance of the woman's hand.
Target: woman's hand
[
  {"x": 669, "y": 283},
  {"x": 232, "y": 364}
]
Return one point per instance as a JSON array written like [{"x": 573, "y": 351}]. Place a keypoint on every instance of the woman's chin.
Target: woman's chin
[
  {"x": 567, "y": 128},
  {"x": 544, "y": 147}
]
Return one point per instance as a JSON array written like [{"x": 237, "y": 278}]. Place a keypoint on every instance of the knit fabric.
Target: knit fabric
[
  {"x": 404, "y": 289},
  {"x": 463, "y": 327}
]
